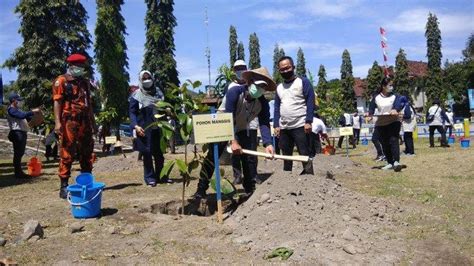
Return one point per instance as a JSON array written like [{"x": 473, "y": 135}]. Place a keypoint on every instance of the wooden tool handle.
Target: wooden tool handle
[{"x": 298, "y": 158}]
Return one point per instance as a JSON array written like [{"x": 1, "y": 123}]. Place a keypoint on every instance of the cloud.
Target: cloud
[
  {"x": 335, "y": 8},
  {"x": 361, "y": 71},
  {"x": 274, "y": 14},
  {"x": 322, "y": 49},
  {"x": 188, "y": 68},
  {"x": 414, "y": 21}
]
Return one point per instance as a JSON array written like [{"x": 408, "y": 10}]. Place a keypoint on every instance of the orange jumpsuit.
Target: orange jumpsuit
[{"x": 76, "y": 123}]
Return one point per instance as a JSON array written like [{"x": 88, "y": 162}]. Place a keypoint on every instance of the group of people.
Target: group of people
[{"x": 295, "y": 122}]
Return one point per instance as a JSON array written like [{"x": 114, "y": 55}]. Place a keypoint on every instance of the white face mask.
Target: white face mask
[
  {"x": 390, "y": 89},
  {"x": 147, "y": 83},
  {"x": 19, "y": 104}
]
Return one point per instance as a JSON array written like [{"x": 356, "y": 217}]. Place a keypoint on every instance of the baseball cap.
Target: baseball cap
[
  {"x": 240, "y": 62},
  {"x": 14, "y": 96}
]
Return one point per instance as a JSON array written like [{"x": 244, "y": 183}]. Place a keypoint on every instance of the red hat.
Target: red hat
[{"x": 76, "y": 59}]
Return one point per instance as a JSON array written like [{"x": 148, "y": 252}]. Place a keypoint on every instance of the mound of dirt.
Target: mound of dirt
[
  {"x": 318, "y": 218},
  {"x": 118, "y": 163}
]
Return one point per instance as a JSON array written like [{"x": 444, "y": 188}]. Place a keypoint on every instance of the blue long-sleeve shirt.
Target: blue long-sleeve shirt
[
  {"x": 17, "y": 119},
  {"x": 296, "y": 100}
]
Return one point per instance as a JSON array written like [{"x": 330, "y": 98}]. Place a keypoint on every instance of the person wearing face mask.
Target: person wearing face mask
[
  {"x": 388, "y": 124},
  {"x": 245, "y": 102},
  {"x": 74, "y": 119},
  {"x": 142, "y": 110},
  {"x": 293, "y": 118},
  {"x": 17, "y": 122}
]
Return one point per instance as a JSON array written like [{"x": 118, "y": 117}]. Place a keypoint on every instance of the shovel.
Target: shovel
[{"x": 307, "y": 163}]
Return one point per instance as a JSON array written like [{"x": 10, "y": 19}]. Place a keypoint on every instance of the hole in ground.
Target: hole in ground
[{"x": 203, "y": 207}]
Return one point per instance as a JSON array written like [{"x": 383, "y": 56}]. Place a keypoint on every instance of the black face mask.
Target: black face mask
[{"x": 287, "y": 75}]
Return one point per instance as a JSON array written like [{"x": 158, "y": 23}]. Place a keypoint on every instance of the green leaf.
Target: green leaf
[
  {"x": 167, "y": 133},
  {"x": 189, "y": 125},
  {"x": 226, "y": 186},
  {"x": 196, "y": 84},
  {"x": 162, "y": 104},
  {"x": 184, "y": 136},
  {"x": 166, "y": 169},
  {"x": 182, "y": 166},
  {"x": 163, "y": 144},
  {"x": 166, "y": 125},
  {"x": 182, "y": 118}
]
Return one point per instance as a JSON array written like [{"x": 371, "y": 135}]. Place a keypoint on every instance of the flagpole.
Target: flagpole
[{"x": 383, "y": 43}]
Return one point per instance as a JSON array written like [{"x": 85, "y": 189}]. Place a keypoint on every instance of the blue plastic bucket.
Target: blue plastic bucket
[
  {"x": 365, "y": 142},
  {"x": 451, "y": 140},
  {"x": 85, "y": 179},
  {"x": 465, "y": 143},
  {"x": 85, "y": 200}
]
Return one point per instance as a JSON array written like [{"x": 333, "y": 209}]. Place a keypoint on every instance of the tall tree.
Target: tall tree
[
  {"x": 300, "y": 63},
  {"x": 254, "y": 51},
  {"x": 321, "y": 88},
  {"x": 347, "y": 82},
  {"x": 159, "y": 45},
  {"x": 401, "y": 81},
  {"x": 333, "y": 107},
  {"x": 434, "y": 88},
  {"x": 374, "y": 79},
  {"x": 468, "y": 54},
  {"x": 277, "y": 54},
  {"x": 233, "y": 45},
  {"x": 241, "y": 51},
  {"x": 110, "y": 53},
  {"x": 51, "y": 30}
]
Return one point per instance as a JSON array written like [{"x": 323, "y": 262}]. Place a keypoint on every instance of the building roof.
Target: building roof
[
  {"x": 360, "y": 86},
  {"x": 417, "y": 68}
]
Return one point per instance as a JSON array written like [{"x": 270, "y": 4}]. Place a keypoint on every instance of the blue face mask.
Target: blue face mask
[{"x": 254, "y": 91}]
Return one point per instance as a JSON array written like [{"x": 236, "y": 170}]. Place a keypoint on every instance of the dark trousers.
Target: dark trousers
[
  {"x": 376, "y": 142},
  {"x": 52, "y": 151},
  {"x": 449, "y": 129},
  {"x": 356, "y": 135},
  {"x": 238, "y": 161},
  {"x": 18, "y": 138},
  {"x": 153, "y": 159},
  {"x": 409, "y": 147},
  {"x": 288, "y": 139},
  {"x": 389, "y": 136},
  {"x": 314, "y": 144},
  {"x": 441, "y": 131},
  {"x": 351, "y": 141},
  {"x": 249, "y": 162}
]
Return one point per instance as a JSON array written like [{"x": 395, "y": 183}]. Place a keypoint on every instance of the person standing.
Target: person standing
[
  {"x": 245, "y": 102},
  {"x": 142, "y": 110},
  {"x": 437, "y": 118},
  {"x": 409, "y": 125},
  {"x": 17, "y": 122},
  {"x": 346, "y": 121},
  {"x": 356, "y": 125},
  {"x": 318, "y": 131},
  {"x": 294, "y": 106},
  {"x": 450, "y": 124},
  {"x": 388, "y": 125},
  {"x": 74, "y": 119}
]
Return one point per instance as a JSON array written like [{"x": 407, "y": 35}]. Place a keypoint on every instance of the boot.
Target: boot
[{"x": 63, "y": 188}]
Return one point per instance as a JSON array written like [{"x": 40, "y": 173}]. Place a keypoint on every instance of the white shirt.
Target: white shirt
[
  {"x": 436, "y": 111},
  {"x": 451, "y": 118},
  {"x": 318, "y": 126},
  {"x": 356, "y": 122},
  {"x": 292, "y": 104},
  {"x": 384, "y": 107}
]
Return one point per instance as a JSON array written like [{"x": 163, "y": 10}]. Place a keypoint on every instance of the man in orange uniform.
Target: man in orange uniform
[{"x": 74, "y": 119}]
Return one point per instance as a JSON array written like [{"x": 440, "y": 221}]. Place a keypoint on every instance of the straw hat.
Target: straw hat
[{"x": 260, "y": 74}]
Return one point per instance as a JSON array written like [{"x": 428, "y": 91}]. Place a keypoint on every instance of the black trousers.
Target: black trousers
[
  {"x": 389, "y": 136},
  {"x": 356, "y": 135},
  {"x": 288, "y": 139},
  {"x": 449, "y": 129},
  {"x": 52, "y": 151},
  {"x": 376, "y": 142},
  {"x": 237, "y": 159},
  {"x": 18, "y": 138},
  {"x": 441, "y": 131},
  {"x": 248, "y": 162},
  {"x": 409, "y": 146},
  {"x": 351, "y": 141},
  {"x": 314, "y": 144}
]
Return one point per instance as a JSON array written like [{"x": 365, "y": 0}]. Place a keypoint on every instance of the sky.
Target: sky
[{"x": 322, "y": 28}]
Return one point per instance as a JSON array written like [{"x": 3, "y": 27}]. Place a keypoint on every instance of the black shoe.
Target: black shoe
[
  {"x": 445, "y": 146},
  {"x": 63, "y": 192},
  {"x": 151, "y": 184},
  {"x": 22, "y": 176},
  {"x": 166, "y": 181}
]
